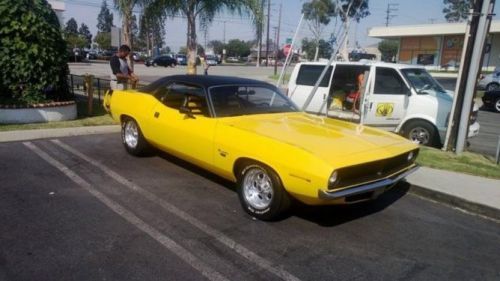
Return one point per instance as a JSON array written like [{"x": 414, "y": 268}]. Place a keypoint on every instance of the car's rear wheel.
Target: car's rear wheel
[
  {"x": 492, "y": 87},
  {"x": 132, "y": 138},
  {"x": 496, "y": 105},
  {"x": 421, "y": 132},
  {"x": 261, "y": 192}
]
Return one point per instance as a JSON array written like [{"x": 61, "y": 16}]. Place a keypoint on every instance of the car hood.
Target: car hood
[{"x": 326, "y": 138}]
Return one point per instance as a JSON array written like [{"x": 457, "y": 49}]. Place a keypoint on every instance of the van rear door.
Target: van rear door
[{"x": 388, "y": 99}]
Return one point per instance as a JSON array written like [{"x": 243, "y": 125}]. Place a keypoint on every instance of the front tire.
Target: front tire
[
  {"x": 421, "y": 132},
  {"x": 132, "y": 138},
  {"x": 261, "y": 192},
  {"x": 496, "y": 105}
]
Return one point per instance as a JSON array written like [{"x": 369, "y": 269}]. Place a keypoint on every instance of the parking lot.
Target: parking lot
[{"x": 87, "y": 210}]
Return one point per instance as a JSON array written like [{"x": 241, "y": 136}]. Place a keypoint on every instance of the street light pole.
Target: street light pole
[
  {"x": 276, "y": 52},
  {"x": 267, "y": 37}
]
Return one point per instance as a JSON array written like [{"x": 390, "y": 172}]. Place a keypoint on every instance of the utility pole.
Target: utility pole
[
  {"x": 276, "y": 49},
  {"x": 224, "y": 44},
  {"x": 389, "y": 13},
  {"x": 478, "y": 27},
  {"x": 261, "y": 27},
  {"x": 267, "y": 37}
]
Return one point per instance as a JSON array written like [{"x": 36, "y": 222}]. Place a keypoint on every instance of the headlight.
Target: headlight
[
  {"x": 333, "y": 179},
  {"x": 410, "y": 156}
]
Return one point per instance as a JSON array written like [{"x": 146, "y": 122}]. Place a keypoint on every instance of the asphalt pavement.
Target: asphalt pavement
[{"x": 81, "y": 208}]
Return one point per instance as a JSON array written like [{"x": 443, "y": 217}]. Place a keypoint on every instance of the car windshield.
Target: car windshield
[
  {"x": 422, "y": 81},
  {"x": 247, "y": 100}
]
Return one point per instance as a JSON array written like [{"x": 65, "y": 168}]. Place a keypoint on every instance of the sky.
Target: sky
[{"x": 409, "y": 12}]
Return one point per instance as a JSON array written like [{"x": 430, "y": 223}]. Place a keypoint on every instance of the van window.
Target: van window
[
  {"x": 309, "y": 74},
  {"x": 389, "y": 82}
]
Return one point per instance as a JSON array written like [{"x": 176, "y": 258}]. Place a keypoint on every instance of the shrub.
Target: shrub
[{"x": 33, "y": 54}]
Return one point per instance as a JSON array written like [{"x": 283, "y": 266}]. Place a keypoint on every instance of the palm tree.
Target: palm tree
[
  {"x": 205, "y": 11},
  {"x": 125, "y": 7}
]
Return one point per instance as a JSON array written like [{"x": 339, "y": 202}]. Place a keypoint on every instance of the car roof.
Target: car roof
[
  {"x": 367, "y": 62},
  {"x": 210, "y": 80}
]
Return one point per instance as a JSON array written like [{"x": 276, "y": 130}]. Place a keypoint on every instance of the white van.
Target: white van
[{"x": 402, "y": 98}]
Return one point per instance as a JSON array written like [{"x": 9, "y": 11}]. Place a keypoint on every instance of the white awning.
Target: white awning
[{"x": 436, "y": 29}]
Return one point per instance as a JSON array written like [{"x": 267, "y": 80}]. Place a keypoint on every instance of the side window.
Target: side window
[
  {"x": 389, "y": 82},
  {"x": 174, "y": 95},
  {"x": 309, "y": 74}
]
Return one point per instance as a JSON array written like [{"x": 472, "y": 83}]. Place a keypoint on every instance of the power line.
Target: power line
[{"x": 389, "y": 13}]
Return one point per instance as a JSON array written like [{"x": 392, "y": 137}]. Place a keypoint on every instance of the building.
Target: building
[
  {"x": 58, "y": 6},
  {"x": 437, "y": 45}
]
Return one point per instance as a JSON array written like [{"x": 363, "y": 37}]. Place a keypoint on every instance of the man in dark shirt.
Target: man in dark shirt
[{"x": 121, "y": 72}]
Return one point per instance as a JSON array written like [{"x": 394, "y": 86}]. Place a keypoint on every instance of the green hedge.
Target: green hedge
[{"x": 33, "y": 54}]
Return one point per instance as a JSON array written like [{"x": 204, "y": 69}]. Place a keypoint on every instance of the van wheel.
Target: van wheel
[
  {"x": 261, "y": 192},
  {"x": 421, "y": 132},
  {"x": 132, "y": 138}
]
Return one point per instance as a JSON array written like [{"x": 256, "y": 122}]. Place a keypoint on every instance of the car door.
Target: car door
[
  {"x": 388, "y": 99},
  {"x": 189, "y": 136}
]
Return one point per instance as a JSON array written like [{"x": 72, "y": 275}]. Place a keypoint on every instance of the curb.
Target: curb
[
  {"x": 23, "y": 135},
  {"x": 456, "y": 202}
]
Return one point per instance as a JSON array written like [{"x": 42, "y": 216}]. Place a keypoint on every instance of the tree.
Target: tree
[
  {"x": 388, "y": 49},
  {"x": 318, "y": 14},
  {"x": 348, "y": 10},
  {"x": 205, "y": 11},
  {"x": 151, "y": 30},
  {"x": 84, "y": 32},
  {"x": 217, "y": 46},
  {"x": 103, "y": 39},
  {"x": 105, "y": 18},
  {"x": 71, "y": 27},
  {"x": 33, "y": 54},
  {"x": 309, "y": 46},
  {"x": 125, "y": 7},
  {"x": 456, "y": 10},
  {"x": 237, "y": 48}
]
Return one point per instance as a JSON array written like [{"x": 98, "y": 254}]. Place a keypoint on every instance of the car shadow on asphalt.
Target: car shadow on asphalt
[
  {"x": 327, "y": 216},
  {"x": 333, "y": 215}
]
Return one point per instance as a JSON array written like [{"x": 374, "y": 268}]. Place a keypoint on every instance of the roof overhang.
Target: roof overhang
[{"x": 425, "y": 30}]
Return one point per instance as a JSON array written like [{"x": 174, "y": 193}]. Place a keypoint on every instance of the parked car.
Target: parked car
[
  {"x": 404, "y": 99},
  {"x": 181, "y": 59},
  {"x": 248, "y": 132},
  {"x": 161, "y": 61},
  {"x": 211, "y": 60},
  {"x": 75, "y": 55},
  {"x": 489, "y": 82},
  {"x": 232, "y": 59},
  {"x": 491, "y": 100}
]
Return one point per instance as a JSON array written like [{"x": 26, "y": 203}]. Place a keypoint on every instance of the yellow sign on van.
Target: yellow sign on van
[{"x": 384, "y": 109}]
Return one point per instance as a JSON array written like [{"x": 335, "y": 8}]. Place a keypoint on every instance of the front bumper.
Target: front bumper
[{"x": 376, "y": 187}]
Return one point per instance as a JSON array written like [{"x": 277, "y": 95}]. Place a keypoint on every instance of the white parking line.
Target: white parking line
[
  {"x": 240, "y": 249},
  {"x": 168, "y": 243}
]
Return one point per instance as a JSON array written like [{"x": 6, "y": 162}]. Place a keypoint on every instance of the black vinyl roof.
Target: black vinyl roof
[{"x": 205, "y": 81}]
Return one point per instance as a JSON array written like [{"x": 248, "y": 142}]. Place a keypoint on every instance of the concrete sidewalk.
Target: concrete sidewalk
[{"x": 473, "y": 194}]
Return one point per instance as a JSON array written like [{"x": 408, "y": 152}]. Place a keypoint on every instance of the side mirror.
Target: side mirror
[{"x": 187, "y": 111}]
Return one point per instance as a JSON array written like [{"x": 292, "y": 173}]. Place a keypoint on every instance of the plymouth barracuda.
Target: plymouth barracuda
[{"x": 248, "y": 132}]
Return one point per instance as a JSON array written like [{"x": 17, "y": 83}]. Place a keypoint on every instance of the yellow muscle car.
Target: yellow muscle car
[{"x": 248, "y": 132}]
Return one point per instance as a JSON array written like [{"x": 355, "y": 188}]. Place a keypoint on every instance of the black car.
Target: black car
[
  {"x": 491, "y": 99},
  {"x": 161, "y": 61}
]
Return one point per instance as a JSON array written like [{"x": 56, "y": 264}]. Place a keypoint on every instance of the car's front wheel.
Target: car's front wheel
[
  {"x": 132, "y": 138},
  {"x": 261, "y": 192},
  {"x": 421, "y": 132}
]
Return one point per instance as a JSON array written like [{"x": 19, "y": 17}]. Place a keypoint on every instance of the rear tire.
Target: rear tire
[
  {"x": 261, "y": 192},
  {"x": 132, "y": 138},
  {"x": 421, "y": 132},
  {"x": 492, "y": 86}
]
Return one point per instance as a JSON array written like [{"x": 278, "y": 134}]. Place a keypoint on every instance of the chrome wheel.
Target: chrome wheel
[
  {"x": 131, "y": 134},
  {"x": 419, "y": 135},
  {"x": 497, "y": 105},
  {"x": 258, "y": 188}
]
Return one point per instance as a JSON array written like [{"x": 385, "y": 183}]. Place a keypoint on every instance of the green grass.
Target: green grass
[
  {"x": 99, "y": 117},
  {"x": 467, "y": 162},
  {"x": 286, "y": 77}
]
